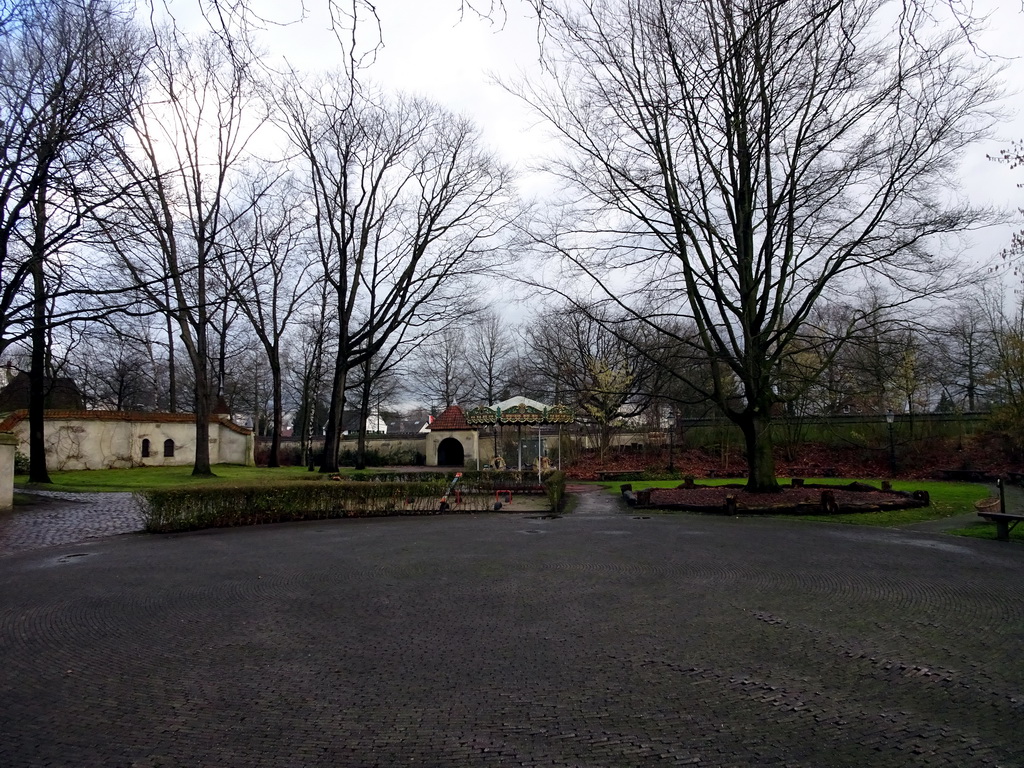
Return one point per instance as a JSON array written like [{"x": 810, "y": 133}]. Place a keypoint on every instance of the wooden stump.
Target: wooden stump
[{"x": 828, "y": 503}]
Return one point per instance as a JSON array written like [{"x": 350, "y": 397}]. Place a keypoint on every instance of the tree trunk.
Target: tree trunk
[
  {"x": 172, "y": 370},
  {"x": 364, "y": 414},
  {"x": 361, "y": 439},
  {"x": 204, "y": 393},
  {"x": 305, "y": 424},
  {"x": 332, "y": 437},
  {"x": 37, "y": 472},
  {"x": 274, "y": 460},
  {"x": 37, "y": 370},
  {"x": 760, "y": 457},
  {"x": 204, "y": 409}
]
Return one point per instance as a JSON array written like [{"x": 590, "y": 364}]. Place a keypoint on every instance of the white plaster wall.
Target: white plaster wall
[
  {"x": 470, "y": 446},
  {"x": 94, "y": 444},
  {"x": 233, "y": 448},
  {"x": 8, "y": 443}
]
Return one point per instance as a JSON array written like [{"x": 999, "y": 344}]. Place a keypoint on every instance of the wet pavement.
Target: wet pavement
[
  {"x": 54, "y": 517},
  {"x": 598, "y": 638}
]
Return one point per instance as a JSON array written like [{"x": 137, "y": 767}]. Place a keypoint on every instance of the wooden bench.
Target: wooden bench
[
  {"x": 1005, "y": 522},
  {"x": 605, "y": 475}
]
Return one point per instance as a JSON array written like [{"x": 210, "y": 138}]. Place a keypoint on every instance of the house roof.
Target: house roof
[
  {"x": 15, "y": 418},
  {"x": 60, "y": 392},
  {"x": 452, "y": 419},
  {"x": 407, "y": 426}
]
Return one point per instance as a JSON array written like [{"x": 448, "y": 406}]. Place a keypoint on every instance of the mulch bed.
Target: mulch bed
[{"x": 809, "y": 499}]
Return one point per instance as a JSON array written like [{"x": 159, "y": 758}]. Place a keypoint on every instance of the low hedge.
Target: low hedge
[
  {"x": 189, "y": 509},
  {"x": 470, "y": 482}
]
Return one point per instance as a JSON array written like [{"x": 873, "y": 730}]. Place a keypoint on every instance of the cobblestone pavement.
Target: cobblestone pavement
[
  {"x": 604, "y": 638},
  {"x": 57, "y": 517}
]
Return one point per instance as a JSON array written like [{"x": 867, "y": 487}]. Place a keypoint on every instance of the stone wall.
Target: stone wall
[{"x": 111, "y": 440}]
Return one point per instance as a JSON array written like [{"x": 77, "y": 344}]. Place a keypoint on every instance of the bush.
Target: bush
[
  {"x": 21, "y": 465},
  {"x": 189, "y": 509},
  {"x": 554, "y": 484},
  {"x": 374, "y": 458}
]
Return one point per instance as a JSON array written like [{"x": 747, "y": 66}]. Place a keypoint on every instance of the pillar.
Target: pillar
[{"x": 8, "y": 444}]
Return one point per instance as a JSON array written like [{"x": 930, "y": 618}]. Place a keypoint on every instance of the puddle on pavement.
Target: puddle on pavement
[{"x": 71, "y": 558}]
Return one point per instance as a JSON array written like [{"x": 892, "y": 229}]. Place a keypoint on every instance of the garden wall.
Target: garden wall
[{"x": 114, "y": 439}]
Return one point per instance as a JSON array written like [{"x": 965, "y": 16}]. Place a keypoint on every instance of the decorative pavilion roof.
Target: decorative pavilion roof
[{"x": 520, "y": 410}]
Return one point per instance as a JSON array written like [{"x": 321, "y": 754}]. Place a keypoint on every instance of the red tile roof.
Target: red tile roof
[
  {"x": 453, "y": 418},
  {"x": 16, "y": 417}
]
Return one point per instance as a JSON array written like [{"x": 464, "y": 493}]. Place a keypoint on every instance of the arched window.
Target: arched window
[
  {"x": 168, "y": 448},
  {"x": 145, "y": 448}
]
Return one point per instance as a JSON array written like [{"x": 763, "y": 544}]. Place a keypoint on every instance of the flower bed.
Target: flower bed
[{"x": 813, "y": 499}]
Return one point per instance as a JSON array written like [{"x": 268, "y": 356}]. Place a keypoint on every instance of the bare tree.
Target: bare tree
[
  {"x": 269, "y": 276},
  {"x": 189, "y": 141},
  {"x": 407, "y": 208},
  {"x": 747, "y": 160},
  {"x": 489, "y": 355},
  {"x": 964, "y": 343},
  {"x": 589, "y": 359},
  {"x": 68, "y": 73},
  {"x": 441, "y": 369},
  {"x": 113, "y": 366},
  {"x": 308, "y": 366}
]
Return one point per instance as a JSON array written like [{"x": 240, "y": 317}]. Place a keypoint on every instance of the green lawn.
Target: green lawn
[
  {"x": 151, "y": 478},
  {"x": 947, "y": 499},
  {"x": 986, "y": 530}
]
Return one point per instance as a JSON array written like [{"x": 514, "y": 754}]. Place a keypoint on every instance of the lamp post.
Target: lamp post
[
  {"x": 890, "y": 417},
  {"x": 672, "y": 441}
]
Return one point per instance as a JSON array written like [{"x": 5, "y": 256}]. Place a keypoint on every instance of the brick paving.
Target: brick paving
[
  {"x": 602, "y": 638},
  {"x": 57, "y": 517}
]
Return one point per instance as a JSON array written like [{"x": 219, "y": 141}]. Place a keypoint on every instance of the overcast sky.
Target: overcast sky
[{"x": 430, "y": 50}]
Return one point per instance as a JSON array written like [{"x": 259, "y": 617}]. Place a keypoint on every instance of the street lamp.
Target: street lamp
[
  {"x": 890, "y": 417},
  {"x": 672, "y": 441}
]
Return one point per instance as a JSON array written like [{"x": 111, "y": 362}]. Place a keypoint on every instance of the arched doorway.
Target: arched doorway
[{"x": 450, "y": 453}]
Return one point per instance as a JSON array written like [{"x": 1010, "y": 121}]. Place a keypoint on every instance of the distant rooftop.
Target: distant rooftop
[{"x": 452, "y": 418}]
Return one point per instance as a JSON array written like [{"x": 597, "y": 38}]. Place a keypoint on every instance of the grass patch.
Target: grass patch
[
  {"x": 947, "y": 500},
  {"x": 154, "y": 478},
  {"x": 986, "y": 530}
]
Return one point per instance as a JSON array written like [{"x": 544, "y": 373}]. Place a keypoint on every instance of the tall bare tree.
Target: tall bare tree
[
  {"x": 490, "y": 354},
  {"x": 68, "y": 75},
  {"x": 269, "y": 274},
  {"x": 407, "y": 206},
  {"x": 188, "y": 142},
  {"x": 750, "y": 159},
  {"x": 589, "y": 359}
]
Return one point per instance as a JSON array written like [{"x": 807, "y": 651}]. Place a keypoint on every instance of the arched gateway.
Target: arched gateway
[
  {"x": 450, "y": 453},
  {"x": 454, "y": 438},
  {"x": 452, "y": 441}
]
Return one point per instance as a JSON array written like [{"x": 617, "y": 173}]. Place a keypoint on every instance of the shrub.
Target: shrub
[
  {"x": 188, "y": 509},
  {"x": 554, "y": 484},
  {"x": 21, "y": 465}
]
